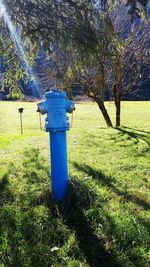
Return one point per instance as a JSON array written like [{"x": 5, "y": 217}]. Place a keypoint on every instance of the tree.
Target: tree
[
  {"x": 92, "y": 77},
  {"x": 131, "y": 56},
  {"x": 119, "y": 68}
]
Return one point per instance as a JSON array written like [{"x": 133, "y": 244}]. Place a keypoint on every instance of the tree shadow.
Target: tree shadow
[
  {"x": 4, "y": 182},
  {"x": 135, "y": 129},
  {"x": 145, "y": 222},
  {"x": 135, "y": 136},
  {"x": 132, "y": 134},
  {"x": 5, "y": 193},
  {"x": 107, "y": 181},
  {"x": 92, "y": 246},
  {"x": 102, "y": 179}
]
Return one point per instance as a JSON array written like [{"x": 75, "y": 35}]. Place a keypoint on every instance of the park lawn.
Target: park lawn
[{"x": 105, "y": 219}]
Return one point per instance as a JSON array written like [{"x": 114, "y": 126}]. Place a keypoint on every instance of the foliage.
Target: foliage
[
  {"x": 15, "y": 62},
  {"x": 83, "y": 27},
  {"x": 133, "y": 50},
  {"x": 62, "y": 21},
  {"x": 135, "y": 6}
]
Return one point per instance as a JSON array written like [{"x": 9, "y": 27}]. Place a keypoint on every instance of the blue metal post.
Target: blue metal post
[
  {"x": 56, "y": 106},
  {"x": 59, "y": 168}
]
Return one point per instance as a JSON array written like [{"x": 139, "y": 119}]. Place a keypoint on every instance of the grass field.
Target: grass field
[{"x": 105, "y": 221}]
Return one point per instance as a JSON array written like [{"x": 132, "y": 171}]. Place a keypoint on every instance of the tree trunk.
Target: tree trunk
[
  {"x": 117, "y": 98},
  {"x": 104, "y": 113},
  {"x": 117, "y": 89},
  {"x": 118, "y": 113}
]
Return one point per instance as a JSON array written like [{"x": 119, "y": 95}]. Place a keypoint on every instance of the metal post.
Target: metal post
[
  {"x": 40, "y": 119},
  {"x": 59, "y": 164},
  {"x": 21, "y": 124}
]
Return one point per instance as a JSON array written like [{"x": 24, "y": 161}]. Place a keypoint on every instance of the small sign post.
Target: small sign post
[
  {"x": 40, "y": 119},
  {"x": 21, "y": 124}
]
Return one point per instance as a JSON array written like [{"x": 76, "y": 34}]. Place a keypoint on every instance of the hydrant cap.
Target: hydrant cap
[{"x": 56, "y": 93}]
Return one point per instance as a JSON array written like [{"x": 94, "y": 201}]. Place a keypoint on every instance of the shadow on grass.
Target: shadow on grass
[
  {"x": 4, "y": 182},
  {"x": 137, "y": 130},
  {"x": 5, "y": 193},
  {"x": 144, "y": 222},
  {"x": 74, "y": 217},
  {"x": 135, "y": 135},
  {"x": 122, "y": 135},
  {"x": 107, "y": 181}
]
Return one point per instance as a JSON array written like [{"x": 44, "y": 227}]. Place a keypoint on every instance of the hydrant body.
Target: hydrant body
[{"x": 56, "y": 106}]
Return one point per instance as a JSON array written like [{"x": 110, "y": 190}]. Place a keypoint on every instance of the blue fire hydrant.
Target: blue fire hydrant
[{"x": 56, "y": 106}]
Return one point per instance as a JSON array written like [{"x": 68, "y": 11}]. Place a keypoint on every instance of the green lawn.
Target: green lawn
[{"x": 105, "y": 220}]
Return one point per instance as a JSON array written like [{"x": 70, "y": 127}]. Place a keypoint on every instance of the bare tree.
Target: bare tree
[{"x": 131, "y": 56}]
